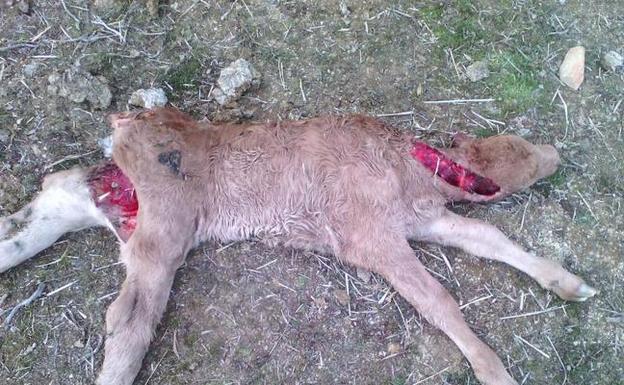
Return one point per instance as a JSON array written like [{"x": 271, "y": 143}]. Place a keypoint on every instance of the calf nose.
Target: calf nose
[{"x": 549, "y": 160}]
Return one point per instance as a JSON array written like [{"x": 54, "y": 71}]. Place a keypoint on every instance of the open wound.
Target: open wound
[
  {"x": 114, "y": 193},
  {"x": 452, "y": 172}
]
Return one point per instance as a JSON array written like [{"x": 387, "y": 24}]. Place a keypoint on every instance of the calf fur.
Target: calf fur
[{"x": 347, "y": 186}]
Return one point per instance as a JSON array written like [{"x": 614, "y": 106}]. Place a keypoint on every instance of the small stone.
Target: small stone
[
  {"x": 31, "y": 69},
  {"x": 4, "y": 135},
  {"x": 346, "y": 12},
  {"x": 80, "y": 86},
  {"x": 394, "y": 348},
  {"x": 342, "y": 297},
  {"x": 612, "y": 61},
  {"x": 572, "y": 70},
  {"x": 152, "y": 7},
  {"x": 78, "y": 344},
  {"x": 105, "y": 5},
  {"x": 320, "y": 303},
  {"x": 477, "y": 71},
  {"x": 363, "y": 274},
  {"x": 23, "y": 6},
  {"x": 234, "y": 80},
  {"x": 344, "y": 9},
  {"x": 148, "y": 98}
]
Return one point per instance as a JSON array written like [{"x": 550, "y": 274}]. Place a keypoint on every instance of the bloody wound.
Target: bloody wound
[{"x": 452, "y": 172}]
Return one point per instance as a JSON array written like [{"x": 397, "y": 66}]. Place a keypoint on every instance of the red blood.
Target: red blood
[
  {"x": 452, "y": 172},
  {"x": 114, "y": 194}
]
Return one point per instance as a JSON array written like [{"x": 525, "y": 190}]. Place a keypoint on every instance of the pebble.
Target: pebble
[
  {"x": 4, "y": 135},
  {"x": 31, "y": 69},
  {"x": 363, "y": 274},
  {"x": 342, "y": 297},
  {"x": 80, "y": 86},
  {"x": 572, "y": 70},
  {"x": 477, "y": 71},
  {"x": 23, "y": 6},
  {"x": 612, "y": 61},
  {"x": 234, "y": 80},
  {"x": 148, "y": 98},
  {"x": 106, "y": 145},
  {"x": 105, "y": 5},
  {"x": 394, "y": 348}
]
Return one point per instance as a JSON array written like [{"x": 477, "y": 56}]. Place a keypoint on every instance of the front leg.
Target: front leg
[
  {"x": 151, "y": 261},
  {"x": 484, "y": 240},
  {"x": 393, "y": 258}
]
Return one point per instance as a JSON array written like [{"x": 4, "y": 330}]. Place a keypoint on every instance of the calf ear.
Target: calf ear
[{"x": 460, "y": 139}]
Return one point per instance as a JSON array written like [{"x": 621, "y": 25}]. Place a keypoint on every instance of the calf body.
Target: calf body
[{"x": 350, "y": 186}]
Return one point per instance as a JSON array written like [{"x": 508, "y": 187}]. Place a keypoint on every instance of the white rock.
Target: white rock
[
  {"x": 572, "y": 70},
  {"x": 4, "y": 135},
  {"x": 106, "y": 144},
  {"x": 148, "y": 98},
  {"x": 234, "y": 80},
  {"x": 31, "y": 69},
  {"x": 477, "y": 71},
  {"x": 612, "y": 61},
  {"x": 80, "y": 86}
]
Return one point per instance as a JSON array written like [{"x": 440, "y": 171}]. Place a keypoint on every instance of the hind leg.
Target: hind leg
[
  {"x": 63, "y": 205},
  {"x": 393, "y": 258},
  {"x": 484, "y": 240}
]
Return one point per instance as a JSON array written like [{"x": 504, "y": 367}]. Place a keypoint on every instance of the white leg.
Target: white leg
[
  {"x": 63, "y": 205},
  {"x": 484, "y": 240}
]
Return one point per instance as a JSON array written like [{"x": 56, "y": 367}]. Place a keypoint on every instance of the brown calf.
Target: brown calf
[{"x": 349, "y": 186}]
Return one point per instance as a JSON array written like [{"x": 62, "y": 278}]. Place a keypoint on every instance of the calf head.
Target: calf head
[{"x": 510, "y": 161}]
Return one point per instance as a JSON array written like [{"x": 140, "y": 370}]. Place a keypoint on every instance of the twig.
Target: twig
[
  {"x": 407, "y": 332},
  {"x": 266, "y": 264},
  {"x": 69, "y": 13},
  {"x": 588, "y": 206},
  {"x": 404, "y": 113},
  {"x": 229, "y": 10},
  {"x": 61, "y": 288},
  {"x": 17, "y": 45},
  {"x": 534, "y": 313},
  {"x": 98, "y": 21},
  {"x": 432, "y": 376},
  {"x": 459, "y": 101},
  {"x": 156, "y": 367},
  {"x": 565, "y": 371},
  {"x": 38, "y": 36},
  {"x": 303, "y": 95},
  {"x": 450, "y": 51},
  {"x": 475, "y": 301},
  {"x": 490, "y": 122},
  {"x": 26, "y": 302},
  {"x": 65, "y": 159},
  {"x": 524, "y": 212},
  {"x": 532, "y": 346},
  {"x": 280, "y": 67}
]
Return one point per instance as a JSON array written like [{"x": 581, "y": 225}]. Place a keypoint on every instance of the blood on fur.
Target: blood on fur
[
  {"x": 114, "y": 194},
  {"x": 451, "y": 171}
]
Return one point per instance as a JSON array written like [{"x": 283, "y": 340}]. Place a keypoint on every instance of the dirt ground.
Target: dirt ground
[{"x": 247, "y": 314}]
